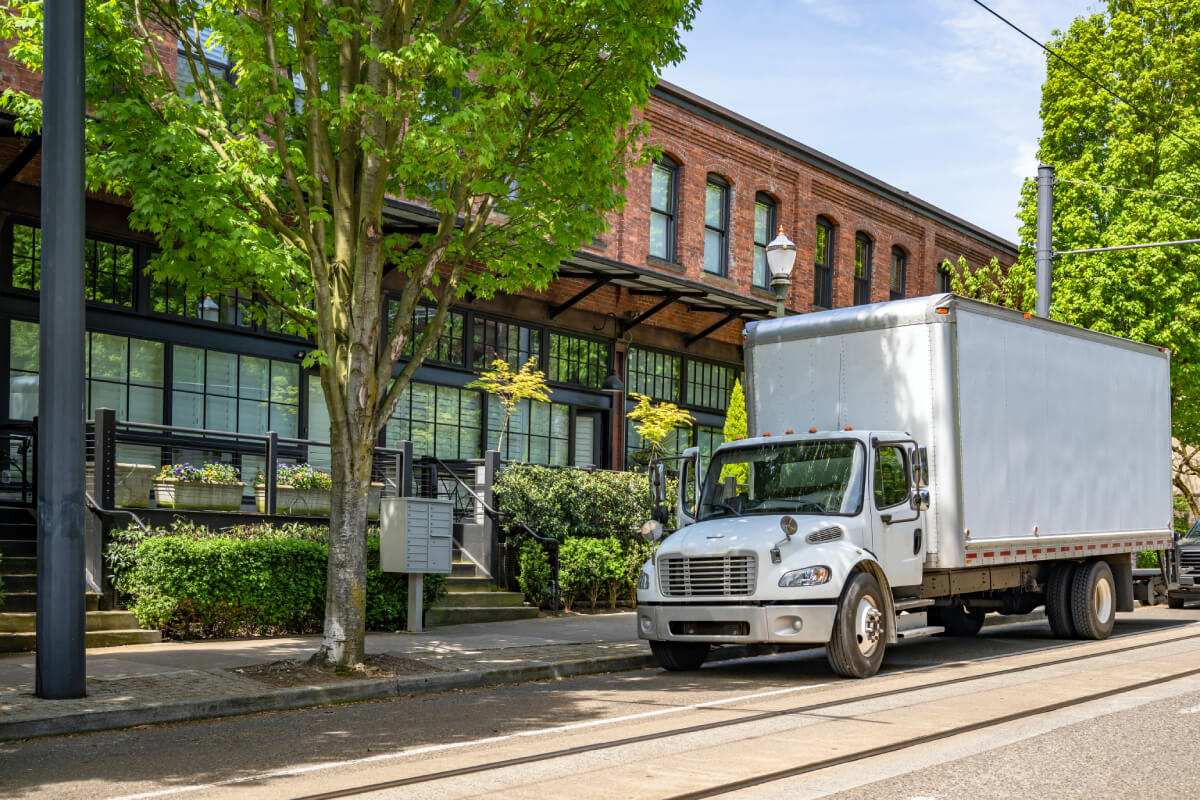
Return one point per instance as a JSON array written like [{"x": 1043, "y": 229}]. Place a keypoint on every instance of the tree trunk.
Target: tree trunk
[{"x": 344, "y": 644}]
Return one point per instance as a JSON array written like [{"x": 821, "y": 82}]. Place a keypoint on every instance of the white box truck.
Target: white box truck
[{"x": 911, "y": 466}]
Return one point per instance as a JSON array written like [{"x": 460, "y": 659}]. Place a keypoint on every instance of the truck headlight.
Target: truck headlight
[
  {"x": 644, "y": 580},
  {"x": 809, "y": 576}
]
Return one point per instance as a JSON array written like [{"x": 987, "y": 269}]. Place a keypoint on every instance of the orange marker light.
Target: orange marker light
[
  {"x": 789, "y": 431},
  {"x": 943, "y": 311},
  {"x": 849, "y": 427},
  {"x": 768, "y": 433},
  {"x": 1028, "y": 315},
  {"x": 812, "y": 430}
]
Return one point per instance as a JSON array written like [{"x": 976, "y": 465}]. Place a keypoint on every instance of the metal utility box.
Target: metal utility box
[{"x": 415, "y": 535}]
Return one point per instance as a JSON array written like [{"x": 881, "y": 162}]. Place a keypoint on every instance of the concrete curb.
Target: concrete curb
[{"x": 351, "y": 692}]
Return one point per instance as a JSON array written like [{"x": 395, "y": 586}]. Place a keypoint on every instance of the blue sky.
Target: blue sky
[{"x": 936, "y": 97}]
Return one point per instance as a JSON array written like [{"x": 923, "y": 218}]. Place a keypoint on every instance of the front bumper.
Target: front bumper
[{"x": 802, "y": 624}]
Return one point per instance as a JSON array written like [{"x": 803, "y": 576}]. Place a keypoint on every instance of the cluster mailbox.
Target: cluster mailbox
[{"x": 415, "y": 535}]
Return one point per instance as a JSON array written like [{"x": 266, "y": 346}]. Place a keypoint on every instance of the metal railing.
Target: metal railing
[{"x": 18, "y": 462}]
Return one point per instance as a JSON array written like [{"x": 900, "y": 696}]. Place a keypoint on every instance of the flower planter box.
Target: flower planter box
[
  {"x": 295, "y": 502},
  {"x": 133, "y": 483},
  {"x": 198, "y": 496}
]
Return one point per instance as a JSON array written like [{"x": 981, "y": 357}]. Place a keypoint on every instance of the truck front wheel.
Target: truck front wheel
[
  {"x": 679, "y": 655},
  {"x": 859, "y": 631},
  {"x": 1093, "y": 600}
]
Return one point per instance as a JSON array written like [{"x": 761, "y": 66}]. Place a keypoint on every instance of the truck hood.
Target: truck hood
[{"x": 757, "y": 533}]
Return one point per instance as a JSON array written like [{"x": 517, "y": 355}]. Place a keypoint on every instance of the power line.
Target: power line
[
  {"x": 1146, "y": 116},
  {"x": 1126, "y": 189}
]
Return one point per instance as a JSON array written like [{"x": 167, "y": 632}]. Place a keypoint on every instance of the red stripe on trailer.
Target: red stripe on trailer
[
  {"x": 1020, "y": 552},
  {"x": 1050, "y": 549},
  {"x": 1080, "y": 547},
  {"x": 972, "y": 555},
  {"x": 1103, "y": 546},
  {"x": 1037, "y": 550},
  {"x": 989, "y": 555},
  {"x": 1006, "y": 552},
  {"x": 1090, "y": 547}
]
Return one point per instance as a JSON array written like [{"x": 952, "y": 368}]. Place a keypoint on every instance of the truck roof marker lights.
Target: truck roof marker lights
[
  {"x": 790, "y": 431},
  {"x": 812, "y": 430},
  {"x": 849, "y": 428},
  {"x": 943, "y": 310}
]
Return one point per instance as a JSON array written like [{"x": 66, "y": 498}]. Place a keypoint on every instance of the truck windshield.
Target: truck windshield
[{"x": 818, "y": 477}]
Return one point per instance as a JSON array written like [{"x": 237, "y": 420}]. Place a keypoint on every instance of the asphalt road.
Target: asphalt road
[{"x": 1096, "y": 749}]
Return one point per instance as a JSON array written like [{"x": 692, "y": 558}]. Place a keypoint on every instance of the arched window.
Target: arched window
[
  {"x": 664, "y": 184},
  {"x": 823, "y": 273},
  {"x": 764, "y": 229},
  {"x": 862, "y": 269},
  {"x": 716, "y": 225},
  {"x": 899, "y": 272}
]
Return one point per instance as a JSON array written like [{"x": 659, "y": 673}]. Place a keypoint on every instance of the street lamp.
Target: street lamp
[{"x": 781, "y": 256}]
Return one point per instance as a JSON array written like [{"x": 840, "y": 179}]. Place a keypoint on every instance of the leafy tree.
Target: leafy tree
[
  {"x": 510, "y": 388},
  {"x": 510, "y": 121},
  {"x": 654, "y": 423},
  {"x": 1012, "y": 287},
  {"x": 1149, "y": 53},
  {"x": 736, "y": 427}
]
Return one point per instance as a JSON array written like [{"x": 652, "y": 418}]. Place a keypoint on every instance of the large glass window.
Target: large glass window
[
  {"x": 583, "y": 362},
  {"x": 637, "y": 451},
  {"x": 891, "y": 477},
  {"x": 764, "y": 224},
  {"x": 508, "y": 341},
  {"x": 653, "y": 374},
  {"x": 441, "y": 421},
  {"x": 664, "y": 182},
  {"x": 708, "y": 438},
  {"x": 537, "y": 433},
  {"x": 862, "y": 269},
  {"x": 708, "y": 385},
  {"x": 124, "y": 374},
  {"x": 716, "y": 225},
  {"x": 230, "y": 392},
  {"x": 899, "y": 273},
  {"x": 108, "y": 266},
  {"x": 823, "y": 272},
  {"x": 449, "y": 347},
  {"x": 215, "y": 56},
  {"x": 945, "y": 276}
]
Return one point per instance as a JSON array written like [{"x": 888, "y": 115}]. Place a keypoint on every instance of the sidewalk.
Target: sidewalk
[{"x": 173, "y": 681}]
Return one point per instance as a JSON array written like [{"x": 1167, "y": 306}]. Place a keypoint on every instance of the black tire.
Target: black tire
[
  {"x": 1175, "y": 602},
  {"x": 1093, "y": 600},
  {"x": 679, "y": 656},
  {"x": 958, "y": 620},
  {"x": 851, "y": 652},
  {"x": 1058, "y": 600}
]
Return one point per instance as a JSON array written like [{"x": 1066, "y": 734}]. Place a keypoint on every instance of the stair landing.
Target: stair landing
[{"x": 471, "y": 598}]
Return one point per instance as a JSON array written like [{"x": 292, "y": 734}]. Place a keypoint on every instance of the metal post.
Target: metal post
[
  {"x": 416, "y": 581},
  {"x": 61, "y": 665},
  {"x": 270, "y": 473},
  {"x": 404, "y": 469},
  {"x": 104, "y": 432},
  {"x": 1044, "y": 255}
]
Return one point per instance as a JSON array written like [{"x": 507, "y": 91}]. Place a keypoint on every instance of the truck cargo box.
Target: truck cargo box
[{"x": 1039, "y": 436}]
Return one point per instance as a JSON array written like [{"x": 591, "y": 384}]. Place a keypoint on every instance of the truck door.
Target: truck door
[{"x": 897, "y": 535}]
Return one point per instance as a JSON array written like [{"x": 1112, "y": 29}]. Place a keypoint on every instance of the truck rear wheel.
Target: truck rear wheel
[
  {"x": 1058, "y": 600},
  {"x": 958, "y": 620},
  {"x": 859, "y": 631},
  {"x": 1175, "y": 602},
  {"x": 677, "y": 656},
  {"x": 1093, "y": 600}
]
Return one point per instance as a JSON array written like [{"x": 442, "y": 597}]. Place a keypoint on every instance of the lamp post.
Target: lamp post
[{"x": 781, "y": 256}]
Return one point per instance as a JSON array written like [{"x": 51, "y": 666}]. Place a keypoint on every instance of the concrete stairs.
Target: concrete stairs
[
  {"x": 470, "y": 598},
  {"x": 18, "y": 571}
]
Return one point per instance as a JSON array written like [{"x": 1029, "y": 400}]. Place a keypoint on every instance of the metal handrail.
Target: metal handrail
[{"x": 549, "y": 542}]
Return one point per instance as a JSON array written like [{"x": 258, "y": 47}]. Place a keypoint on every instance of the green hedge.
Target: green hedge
[
  {"x": 193, "y": 581},
  {"x": 588, "y": 569}
]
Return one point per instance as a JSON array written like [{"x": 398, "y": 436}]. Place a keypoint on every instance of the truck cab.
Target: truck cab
[{"x": 790, "y": 540}]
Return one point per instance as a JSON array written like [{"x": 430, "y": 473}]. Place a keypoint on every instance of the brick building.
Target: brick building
[{"x": 659, "y": 300}]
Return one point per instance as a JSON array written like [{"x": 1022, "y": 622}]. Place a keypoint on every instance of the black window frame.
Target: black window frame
[
  {"x": 715, "y": 181},
  {"x": 765, "y": 200},
  {"x": 823, "y": 270},
  {"x": 896, "y": 288},
  {"x": 945, "y": 277},
  {"x": 863, "y": 253},
  {"x": 669, "y": 214}
]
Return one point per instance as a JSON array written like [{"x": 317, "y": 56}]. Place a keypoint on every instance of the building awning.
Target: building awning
[{"x": 725, "y": 305}]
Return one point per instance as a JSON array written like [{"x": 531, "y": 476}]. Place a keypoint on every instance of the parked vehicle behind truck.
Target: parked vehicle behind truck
[{"x": 912, "y": 466}]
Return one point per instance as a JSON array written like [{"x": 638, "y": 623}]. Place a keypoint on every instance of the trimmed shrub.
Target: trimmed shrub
[
  {"x": 581, "y": 570},
  {"x": 189, "y": 580},
  {"x": 533, "y": 574}
]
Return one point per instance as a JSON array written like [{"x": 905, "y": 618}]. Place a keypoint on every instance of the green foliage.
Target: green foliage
[
  {"x": 654, "y": 423},
  {"x": 1014, "y": 287},
  {"x": 205, "y": 473},
  {"x": 510, "y": 388},
  {"x": 1146, "y": 53},
  {"x": 533, "y": 572},
  {"x": 189, "y": 580},
  {"x": 581, "y": 570},
  {"x": 1147, "y": 559},
  {"x": 736, "y": 427}
]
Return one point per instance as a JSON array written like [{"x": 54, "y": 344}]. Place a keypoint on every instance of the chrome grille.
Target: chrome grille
[
  {"x": 707, "y": 576},
  {"x": 831, "y": 534},
  {"x": 1189, "y": 557}
]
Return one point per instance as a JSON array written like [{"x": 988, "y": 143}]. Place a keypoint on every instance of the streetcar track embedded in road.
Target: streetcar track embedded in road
[{"x": 807, "y": 708}]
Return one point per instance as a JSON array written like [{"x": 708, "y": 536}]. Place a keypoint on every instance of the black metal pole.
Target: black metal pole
[{"x": 60, "y": 668}]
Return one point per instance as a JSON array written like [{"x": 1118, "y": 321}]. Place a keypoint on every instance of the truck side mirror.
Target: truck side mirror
[
  {"x": 652, "y": 530},
  {"x": 658, "y": 484},
  {"x": 920, "y": 499}
]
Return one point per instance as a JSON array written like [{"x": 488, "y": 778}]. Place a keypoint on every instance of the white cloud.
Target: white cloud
[
  {"x": 1025, "y": 163},
  {"x": 838, "y": 12}
]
